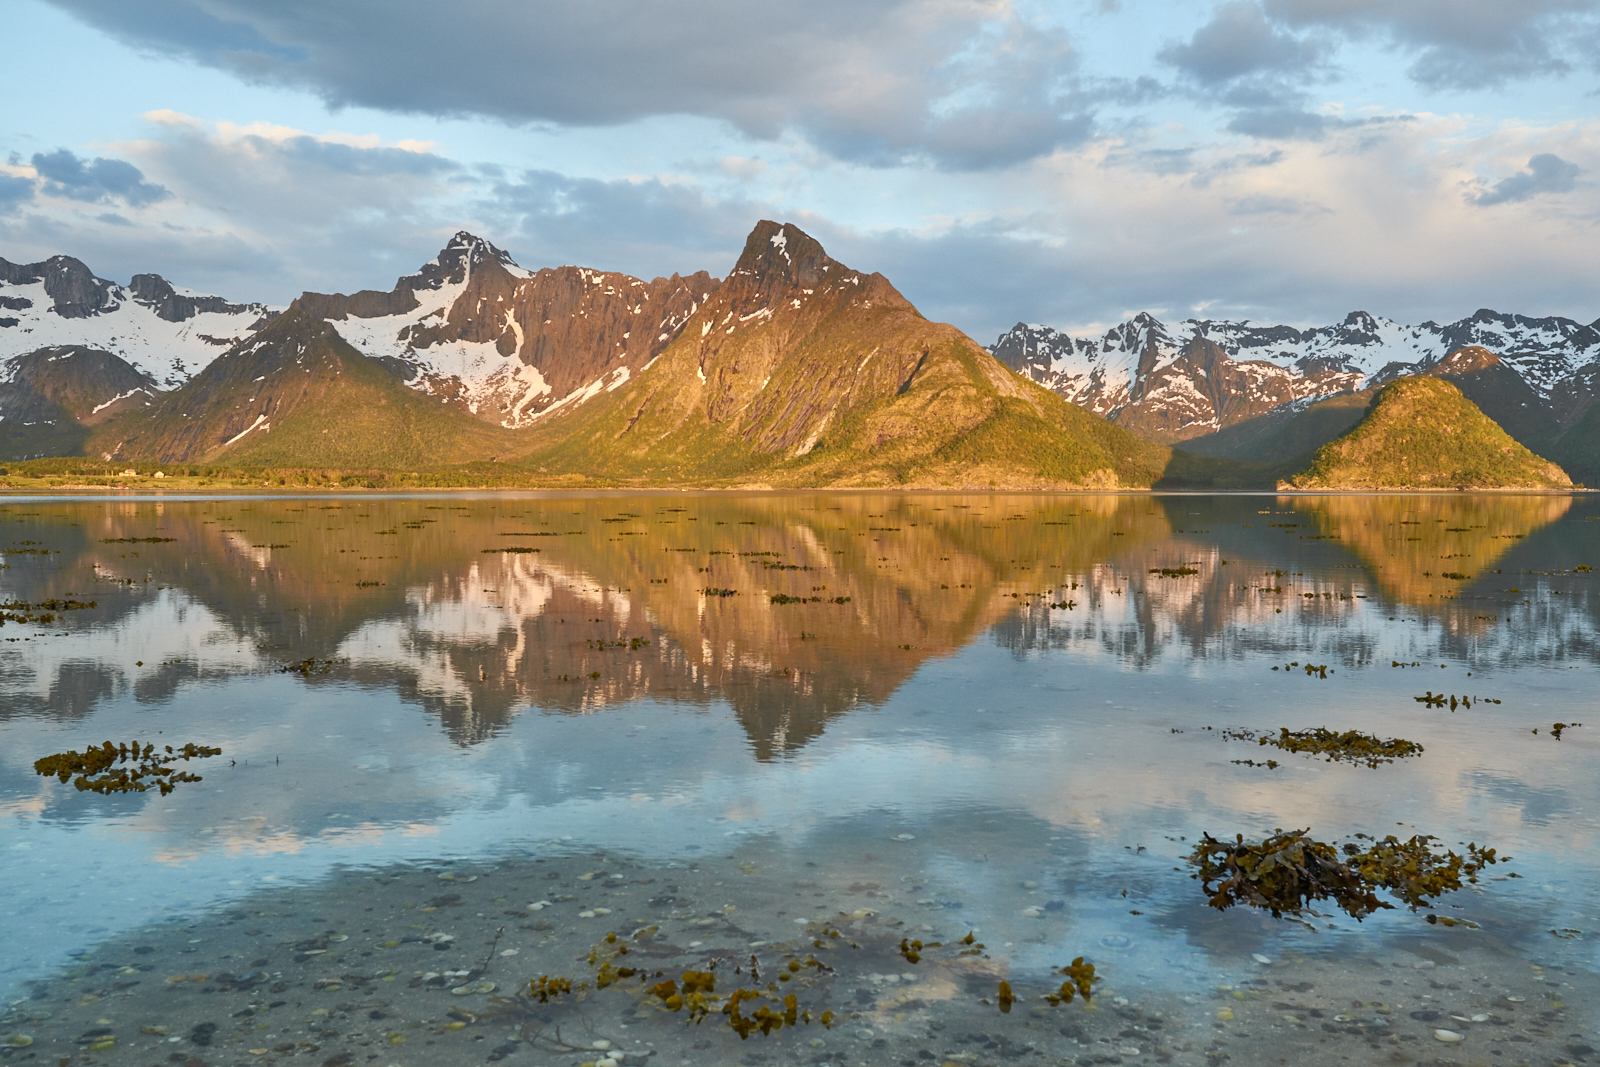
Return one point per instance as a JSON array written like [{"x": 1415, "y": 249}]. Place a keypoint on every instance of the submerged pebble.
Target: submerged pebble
[{"x": 1447, "y": 1036}]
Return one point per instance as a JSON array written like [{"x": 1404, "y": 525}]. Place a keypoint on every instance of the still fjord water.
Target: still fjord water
[{"x": 513, "y": 724}]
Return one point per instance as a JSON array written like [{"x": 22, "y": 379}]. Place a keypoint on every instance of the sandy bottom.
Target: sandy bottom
[{"x": 418, "y": 967}]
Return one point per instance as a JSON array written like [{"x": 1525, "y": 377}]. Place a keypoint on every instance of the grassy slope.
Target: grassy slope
[
  {"x": 1422, "y": 433},
  {"x": 371, "y": 420}
]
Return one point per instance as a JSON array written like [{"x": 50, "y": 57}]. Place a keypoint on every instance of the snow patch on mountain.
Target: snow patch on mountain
[{"x": 170, "y": 352}]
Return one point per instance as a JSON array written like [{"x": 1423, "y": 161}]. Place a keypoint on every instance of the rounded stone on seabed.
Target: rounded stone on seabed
[{"x": 1449, "y": 1037}]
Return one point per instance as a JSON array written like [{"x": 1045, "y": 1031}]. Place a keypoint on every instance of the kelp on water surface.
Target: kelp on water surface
[
  {"x": 97, "y": 768},
  {"x": 1287, "y": 871}
]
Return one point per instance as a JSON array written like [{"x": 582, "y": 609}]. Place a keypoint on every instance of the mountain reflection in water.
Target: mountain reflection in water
[{"x": 605, "y": 599}]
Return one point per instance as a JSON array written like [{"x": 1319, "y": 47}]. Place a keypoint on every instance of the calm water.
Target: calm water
[{"x": 985, "y": 713}]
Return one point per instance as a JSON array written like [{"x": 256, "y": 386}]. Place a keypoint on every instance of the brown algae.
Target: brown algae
[
  {"x": 1289, "y": 870},
  {"x": 97, "y": 770},
  {"x": 1350, "y": 746}
]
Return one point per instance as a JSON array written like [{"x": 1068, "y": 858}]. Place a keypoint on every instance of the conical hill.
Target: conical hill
[{"x": 1422, "y": 433}]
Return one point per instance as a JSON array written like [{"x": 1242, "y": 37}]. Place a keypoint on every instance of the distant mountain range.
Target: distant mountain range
[
  {"x": 166, "y": 334},
  {"x": 794, "y": 370},
  {"x": 1231, "y": 388}
]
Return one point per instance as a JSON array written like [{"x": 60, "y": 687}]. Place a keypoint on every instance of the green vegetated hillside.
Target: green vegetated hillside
[{"x": 1422, "y": 433}]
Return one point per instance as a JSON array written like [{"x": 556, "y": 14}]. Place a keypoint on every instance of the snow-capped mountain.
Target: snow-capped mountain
[
  {"x": 1199, "y": 376},
  {"x": 509, "y": 345},
  {"x": 165, "y": 333}
]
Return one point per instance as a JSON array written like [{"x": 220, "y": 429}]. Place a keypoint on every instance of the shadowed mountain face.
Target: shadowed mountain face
[
  {"x": 791, "y": 610},
  {"x": 48, "y": 398},
  {"x": 297, "y": 393}
]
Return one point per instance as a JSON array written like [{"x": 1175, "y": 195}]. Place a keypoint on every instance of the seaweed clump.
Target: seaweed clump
[
  {"x": 1289, "y": 870},
  {"x": 1351, "y": 746},
  {"x": 97, "y": 770},
  {"x": 43, "y": 612},
  {"x": 307, "y": 667}
]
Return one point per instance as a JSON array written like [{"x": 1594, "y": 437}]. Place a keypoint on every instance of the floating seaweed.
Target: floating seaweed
[
  {"x": 1439, "y": 700},
  {"x": 1288, "y": 870},
  {"x": 135, "y": 540},
  {"x": 43, "y": 612},
  {"x": 633, "y": 644},
  {"x": 1080, "y": 980},
  {"x": 520, "y": 550},
  {"x": 714, "y": 591},
  {"x": 97, "y": 770},
  {"x": 1555, "y": 729},
  {"x": 1174, "y": 572},
  {"x": 1351, "y": 746},
  {"x": 307, "y": 667}
]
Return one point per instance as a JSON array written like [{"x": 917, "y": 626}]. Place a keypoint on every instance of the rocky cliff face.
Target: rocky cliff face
[
  {"x": 507, "y": 345},
  {"x": 1200, "y": 376}
]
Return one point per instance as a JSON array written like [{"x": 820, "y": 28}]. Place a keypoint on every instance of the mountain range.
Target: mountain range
[
  {"x": 792, "y": 370},
  {"x": 1255, "y": 392}
]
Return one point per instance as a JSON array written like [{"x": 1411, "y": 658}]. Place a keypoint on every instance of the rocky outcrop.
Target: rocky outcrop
[
  {"x": 159, "y": 295},
  {"x": 74, "y": 291}
]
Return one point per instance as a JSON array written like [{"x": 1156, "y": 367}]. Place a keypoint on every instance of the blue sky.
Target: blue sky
[{"x": 1070, "y": 163}]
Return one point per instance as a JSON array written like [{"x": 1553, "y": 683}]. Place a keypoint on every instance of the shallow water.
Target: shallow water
[{"x": 984, "y": 713}]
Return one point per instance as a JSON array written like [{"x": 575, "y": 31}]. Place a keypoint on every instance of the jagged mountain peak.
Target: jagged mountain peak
[
  {"x": 462, "y": 255},
  {"x": 784, "y": 253}
]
